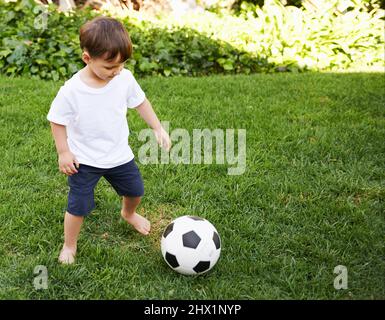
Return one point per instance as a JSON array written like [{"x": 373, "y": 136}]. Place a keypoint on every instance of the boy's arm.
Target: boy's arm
[
  {"x": 147, "y": 113},
  {"x": 66, "y": 158},
  {"x": 59, "y": 133}
]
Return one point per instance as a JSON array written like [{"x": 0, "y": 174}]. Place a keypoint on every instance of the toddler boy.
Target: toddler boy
[{"x": 89, "y": 126}]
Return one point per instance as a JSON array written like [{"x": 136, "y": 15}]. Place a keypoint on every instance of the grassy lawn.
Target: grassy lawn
[{"x": 312, "y": 196}]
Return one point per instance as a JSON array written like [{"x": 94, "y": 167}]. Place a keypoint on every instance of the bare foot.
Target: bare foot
[
  {"x": 67, "y": 255},
  {"x": 140, "y": 223}
]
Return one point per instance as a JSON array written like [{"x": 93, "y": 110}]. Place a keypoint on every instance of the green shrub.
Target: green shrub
[
  {"x": 53, "y": 52},
  {"x": 338, "y": 36},
  {"x": 43, "y": 43},
  {"x": 183, "y": 51},
  {"x": 37, "y": 41}
]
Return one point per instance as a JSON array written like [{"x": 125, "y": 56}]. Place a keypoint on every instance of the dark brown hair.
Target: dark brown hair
[{"x": 105, "y": 35}]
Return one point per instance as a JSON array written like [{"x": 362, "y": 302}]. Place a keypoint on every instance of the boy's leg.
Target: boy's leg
[
  {"x": 80, "y": 204},
  {"x": 127, "y": 181},
  {"x": 72, "y": 225},
  {"x": 140, "y": 223}
]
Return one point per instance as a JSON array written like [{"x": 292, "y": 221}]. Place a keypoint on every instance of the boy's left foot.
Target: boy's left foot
[
  {"x": 140, "y": 223},
  {"x": 67, "y": 255}
]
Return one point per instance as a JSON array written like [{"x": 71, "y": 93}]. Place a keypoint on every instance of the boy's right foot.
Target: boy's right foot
[
  {"x": 67, "y": 255},
  {"x": 140, "y": 223}
]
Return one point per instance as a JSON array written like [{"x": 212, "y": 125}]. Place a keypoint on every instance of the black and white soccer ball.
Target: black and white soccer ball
[{"x": 191, "y": 245}]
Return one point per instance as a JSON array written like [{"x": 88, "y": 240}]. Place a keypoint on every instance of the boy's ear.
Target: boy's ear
[{"x": 86, "y": 57}]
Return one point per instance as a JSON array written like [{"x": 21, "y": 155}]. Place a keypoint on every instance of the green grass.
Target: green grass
[{"x": 312, "y": 196}]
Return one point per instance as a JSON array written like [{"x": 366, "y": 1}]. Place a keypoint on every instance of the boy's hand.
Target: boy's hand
[
  {"x": 163, "y": 138},
  {"x": 66, "y": 163}
]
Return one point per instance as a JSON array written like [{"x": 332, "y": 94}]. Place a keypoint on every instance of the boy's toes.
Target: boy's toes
[
  {"x": 147, "y": 227},
  {"x": 67, "y": 256},
  {"x": 146, "y": 224},
  {"x": 144, "y": 230}
]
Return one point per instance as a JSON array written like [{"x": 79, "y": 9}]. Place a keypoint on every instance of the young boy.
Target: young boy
[{"x": 89, "y": 125}]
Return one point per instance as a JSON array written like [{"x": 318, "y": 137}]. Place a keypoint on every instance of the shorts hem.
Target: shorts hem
[
  {"x": 131, "y": 195},
  {"x": 74, "y": 213}
]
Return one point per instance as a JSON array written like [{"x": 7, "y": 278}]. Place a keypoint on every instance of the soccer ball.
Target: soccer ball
[{"x": 190, "y": 245}]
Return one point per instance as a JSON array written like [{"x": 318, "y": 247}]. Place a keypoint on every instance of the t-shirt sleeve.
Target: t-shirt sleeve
[
  {"x": 61, "y": 111},
  {"x": 135, "y": 93}
]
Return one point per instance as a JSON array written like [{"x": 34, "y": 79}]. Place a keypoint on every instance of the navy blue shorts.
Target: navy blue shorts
[{"x": 125, "y": 179}]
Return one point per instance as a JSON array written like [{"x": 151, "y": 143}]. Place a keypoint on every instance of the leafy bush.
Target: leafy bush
[
  {"x": 38, "y": 41},
  {"x": 43, "y": 43},
  {"x": 183, "y": 51},
  {"x": 339, "y": 35},
  {"x": 53, "y": 52}
]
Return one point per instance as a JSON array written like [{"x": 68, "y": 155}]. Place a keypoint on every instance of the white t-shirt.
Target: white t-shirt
[{"x": 95, "y": 118}]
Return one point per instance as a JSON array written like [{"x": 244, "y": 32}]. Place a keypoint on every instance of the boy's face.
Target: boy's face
[{"x": 103, "y": 69}]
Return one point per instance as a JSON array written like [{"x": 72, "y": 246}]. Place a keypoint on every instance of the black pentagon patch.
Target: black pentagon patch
[
  {"x": 168, "y": 229},
  {"x": 216, "y": 240},
  {"x": 202, "y": 266},
  {"x": 196, "y": 218},
  {"x": 191, "y": 240},
  {"x": 171, "y": 259}
]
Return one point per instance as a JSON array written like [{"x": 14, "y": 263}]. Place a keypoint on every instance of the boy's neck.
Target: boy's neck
[{"x": 91, "y": 79}]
